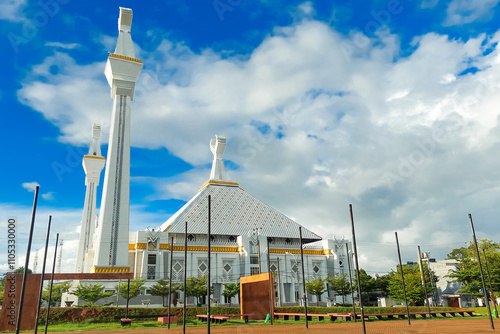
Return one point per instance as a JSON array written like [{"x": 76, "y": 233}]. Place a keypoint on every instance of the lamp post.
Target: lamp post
[{"x": 296, "y": 286}]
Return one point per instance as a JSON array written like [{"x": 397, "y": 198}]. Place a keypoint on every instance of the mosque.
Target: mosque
[{"x": 243, "y": 228}]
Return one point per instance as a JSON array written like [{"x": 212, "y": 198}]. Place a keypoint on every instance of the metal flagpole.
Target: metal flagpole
[
  {"x": 43, "y": 274},
  {"x": 170, "y": 280},
  {"x": 357, "y": 270},
  {"x": 423, "y": 281},
  {"x": 481, "y": 271},
  {"x": 208, "y": 279},
  {"x": 51, "y": 284},
  {"x": 303, "y": 276},
  {"x": 26, "y": 263},
  {"x": 489, "y": 281},
  {"x": 350, "y": 280},
  {"x": 185, "y": 278},
  {"x": 403, "y": 279},
  {"x": 271, "y": 281}
]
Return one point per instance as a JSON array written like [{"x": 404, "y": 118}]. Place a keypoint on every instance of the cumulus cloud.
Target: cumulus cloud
[
  {"x": 10, "y": 10},
  {"x": 463, "y": 12},
  {"x": 315, "y": 121}
]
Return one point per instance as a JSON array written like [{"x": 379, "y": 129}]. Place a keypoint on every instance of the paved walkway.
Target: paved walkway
[{"x": 435, "y": 326}]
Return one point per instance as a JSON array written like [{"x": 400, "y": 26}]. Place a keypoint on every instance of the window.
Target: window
[
  {"x": 151, "y": 272},
  {"x": 254, "y": 260},
  {"x": 147, "y": 292},
  {"x": 151, "y": 258},
  {"x": 202, "y": 268},
  {"x": 274, "y": 267},
  {"x": 227, "y": 270},
  {"x": 178, "y": 270},
  {"x": 109, "y": 290},
  {"x": 254, "y": 271}
]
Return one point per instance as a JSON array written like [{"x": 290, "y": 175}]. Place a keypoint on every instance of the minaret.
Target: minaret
[
  {"x": 217, "y": 147},
  {"x": 93, "y": 163},
  {"x": 122, "y": 71}
]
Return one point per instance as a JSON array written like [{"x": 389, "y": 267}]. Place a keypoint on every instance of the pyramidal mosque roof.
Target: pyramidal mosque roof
[{"x": 233, "y": 210}]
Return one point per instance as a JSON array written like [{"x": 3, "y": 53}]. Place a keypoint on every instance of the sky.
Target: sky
[{"x": 391, "y": 106}]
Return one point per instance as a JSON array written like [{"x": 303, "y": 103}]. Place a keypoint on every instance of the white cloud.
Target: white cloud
[
  {"x": 68, "y": 46},
  {"x": 48, "y": 196},
  {"x": 30, "y": 186},
  {"x": 10, "y": 10},
  {"x": 463, "y": 11},
  {"x": 408, "y": 141}
]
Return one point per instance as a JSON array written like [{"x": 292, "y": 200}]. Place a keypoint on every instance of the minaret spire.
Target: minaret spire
[
  {"x": 122, "y": 70},
  {"x": 217, "y": 147},
  {"x": 93, "y": 163}
]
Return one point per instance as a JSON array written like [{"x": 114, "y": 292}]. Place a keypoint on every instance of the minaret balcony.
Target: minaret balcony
[{"x": 122, "y": 73}]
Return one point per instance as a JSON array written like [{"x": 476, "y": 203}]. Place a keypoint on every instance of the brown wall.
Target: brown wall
[
  {"x": 254, "y": 296},
  {"x": 10, "y": 306}
]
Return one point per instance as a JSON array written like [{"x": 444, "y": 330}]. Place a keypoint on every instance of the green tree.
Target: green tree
[
  {"x": 415, "y": 292},
  {"x": 162, "y": 288},
  {"x": 135, "y": 288},
  {"x": 339, "y": 284},
  {"x": 91, "y": 293},
  {"x": 381, "y": 283},
  {"x": 230, "y": 290},
  {"x": 316, "y": 287},
  {"x": 57, "y": 290},
  {"x": 196, "y": 287},
  {"x": 467, "y": 271}
]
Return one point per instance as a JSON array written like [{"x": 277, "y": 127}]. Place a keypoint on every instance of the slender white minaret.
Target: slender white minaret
[
  {"x": 217, "y": 147},
  {"x": 93, "y": 163},
  {"x": 122, "y": 71}
]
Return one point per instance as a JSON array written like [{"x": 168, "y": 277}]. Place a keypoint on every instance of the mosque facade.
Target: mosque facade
[{"x": 245, "y": 232}]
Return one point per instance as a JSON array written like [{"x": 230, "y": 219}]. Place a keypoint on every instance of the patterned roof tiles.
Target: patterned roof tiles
[{"x": 234, "y": 212}]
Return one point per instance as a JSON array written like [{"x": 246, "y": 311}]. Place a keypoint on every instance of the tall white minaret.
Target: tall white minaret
[
  {"x": 217, "y": 147},
  {"x": 122, "y": 71},
  {"x": 93, "y": 163}
]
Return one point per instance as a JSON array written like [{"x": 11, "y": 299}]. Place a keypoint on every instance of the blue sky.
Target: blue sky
[{"x": 388, "y": 105}]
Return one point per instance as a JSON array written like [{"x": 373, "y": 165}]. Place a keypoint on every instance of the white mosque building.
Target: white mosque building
[{"x": 243, "y": 228}]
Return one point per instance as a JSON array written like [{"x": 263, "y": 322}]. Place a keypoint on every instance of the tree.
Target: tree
[
  {"x": 135, "y": 288},
  {"x": 381, "y": 283},
  {"x": 316, "y": 287},
  {"x": 467, "y": 271},
  {"x": 230, "y": 290},
  {"x": 196, "y": 287},
  {"x": 339, "y": 284},
  {"x": 91, "y": 293},
  {"x": 162, "y": 288},
  {"x": 57, "y": 290},
  {"x": 415, "y": 292}
]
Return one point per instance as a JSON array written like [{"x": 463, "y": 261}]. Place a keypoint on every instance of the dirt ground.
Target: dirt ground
[{"x": 435, "y": 326}]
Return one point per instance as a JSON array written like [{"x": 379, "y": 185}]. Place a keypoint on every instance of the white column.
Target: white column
[
  {"x": 122, "y": 70},
  {"x": 93, "y": 163}
]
